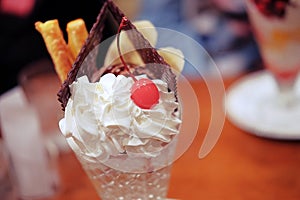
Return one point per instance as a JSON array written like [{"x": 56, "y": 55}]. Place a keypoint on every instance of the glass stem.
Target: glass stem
[{"x": 287, "y": 96}]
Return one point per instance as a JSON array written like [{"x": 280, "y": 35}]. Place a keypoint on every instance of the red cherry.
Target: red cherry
[{"x": 144, "y": 93}]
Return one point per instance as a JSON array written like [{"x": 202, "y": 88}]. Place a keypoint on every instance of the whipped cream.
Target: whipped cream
[{"x": 103, "y": 121}]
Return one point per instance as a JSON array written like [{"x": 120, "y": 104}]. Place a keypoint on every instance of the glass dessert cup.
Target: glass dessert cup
[
  {"x": 276, "y": 28},
  {"x": 141, "y": 178},
  {"x": 131, "y": 173},
  {"x": 114, "y": 184},
  {"x": 135, "y": 171},
  {"x": 126, "y": 149}
]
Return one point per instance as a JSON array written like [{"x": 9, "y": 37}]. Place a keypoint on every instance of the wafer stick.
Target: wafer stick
[
  {"x": 56, "y": 46},
  {"x": 77, "y": 34}
]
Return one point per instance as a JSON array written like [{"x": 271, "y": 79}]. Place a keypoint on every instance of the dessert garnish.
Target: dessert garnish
[
  {"x": 63, "y": 54},
  {"x": 272, "y": 8},
  {"x": 144, "y": 92}
]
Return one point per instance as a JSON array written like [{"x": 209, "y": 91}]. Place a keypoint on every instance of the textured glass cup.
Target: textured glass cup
[
  {"x": 114, "y": 181},
  {"x": 126, "y": 169}
]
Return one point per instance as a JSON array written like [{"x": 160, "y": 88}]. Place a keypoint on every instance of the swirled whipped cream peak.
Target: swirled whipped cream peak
[{"x": 102, "y": 120}]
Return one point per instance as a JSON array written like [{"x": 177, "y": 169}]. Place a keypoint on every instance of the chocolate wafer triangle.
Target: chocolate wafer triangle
[{"x": 106, "y": 25}]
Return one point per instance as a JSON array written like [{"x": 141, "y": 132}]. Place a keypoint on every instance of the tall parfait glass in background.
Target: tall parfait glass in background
[
  {"x": 276, "y": 27},
  {"x": 277, "y": 31}
]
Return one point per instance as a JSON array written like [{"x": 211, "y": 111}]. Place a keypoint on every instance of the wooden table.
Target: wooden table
[{"x": 240, "y": 167}]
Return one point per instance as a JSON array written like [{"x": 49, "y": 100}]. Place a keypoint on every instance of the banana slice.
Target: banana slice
[{"x": 174, "y": 57}]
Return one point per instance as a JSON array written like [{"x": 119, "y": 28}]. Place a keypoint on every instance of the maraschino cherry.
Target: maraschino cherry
[{"x": 144, "y": 92}]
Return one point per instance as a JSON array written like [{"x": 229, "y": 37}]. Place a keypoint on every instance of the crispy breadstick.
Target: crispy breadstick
[
  {"x": 77, "y": 34},
  {"x": 56, "y": 46}
]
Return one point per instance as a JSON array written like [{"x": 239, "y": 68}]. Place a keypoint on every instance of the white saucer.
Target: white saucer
[{"x": 250, "y": 105}]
